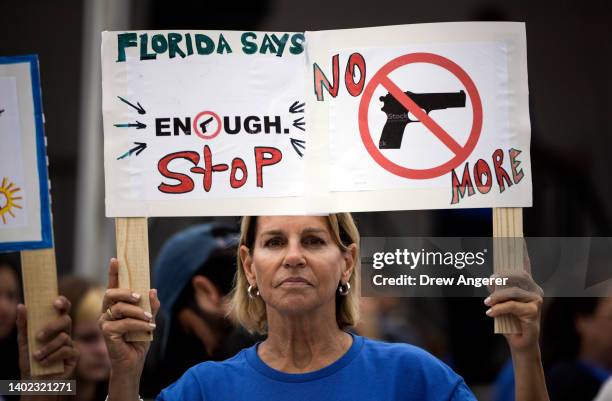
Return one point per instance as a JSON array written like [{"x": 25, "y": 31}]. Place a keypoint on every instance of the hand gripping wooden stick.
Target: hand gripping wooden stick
[
  {"x": 39, "y": 292},
  {"x": 133, "y": 256},
  {"x": 507, "y": 256}
]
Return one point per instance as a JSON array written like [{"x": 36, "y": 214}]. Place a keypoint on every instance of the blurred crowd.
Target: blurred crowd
[{"x": 193, "y": 274}]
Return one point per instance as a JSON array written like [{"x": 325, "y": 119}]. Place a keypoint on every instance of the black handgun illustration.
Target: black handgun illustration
[
  {"x": 398, "y": 116},
  {"x": 204, "y": 124}
]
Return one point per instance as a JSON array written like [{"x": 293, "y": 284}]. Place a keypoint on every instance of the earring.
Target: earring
[
  {"x": 344, "y": 289},
  {"x": 253, "y": 292}
]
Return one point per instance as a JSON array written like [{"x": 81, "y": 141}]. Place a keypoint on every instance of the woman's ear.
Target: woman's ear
[
  {"x": 247, "y": 264},
  {"x": 350, "y": 258}
]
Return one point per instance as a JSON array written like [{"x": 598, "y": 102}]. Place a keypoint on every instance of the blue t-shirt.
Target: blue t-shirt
[{"x": 369, "y": 371}]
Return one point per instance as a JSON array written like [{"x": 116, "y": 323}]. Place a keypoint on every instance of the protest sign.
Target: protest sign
[
  {"x": 427, "y": 116},
  {"x": 402, "y": 117},
  {"x": 25, "y": 218},
  {"x": 203, "y": 122},
  {"x": 25, "y": 210}
]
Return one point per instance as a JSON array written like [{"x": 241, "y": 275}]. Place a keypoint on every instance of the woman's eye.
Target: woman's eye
[
  {"x": 273, "y": 242},
  {"x": 314, "y": 241}
]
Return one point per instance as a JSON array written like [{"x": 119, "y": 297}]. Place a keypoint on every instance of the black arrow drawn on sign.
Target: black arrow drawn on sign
[
  {"x": 296, "y": 107},
  {"x": 137, "y": 124},
  {"x": 140, "y": 146},
  {"x": 140, "y": 109},
  {"x": 299, "y": 123},
  {"x": 1, "y": 111},
  {"x": 298, "y": 145}
]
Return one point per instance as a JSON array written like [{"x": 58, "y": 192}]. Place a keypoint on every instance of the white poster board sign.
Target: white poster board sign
[
  {"x": 25, "y": 218},
  {"x": 427, "y": 116},
  {"x": 203, "y": 122},
  {"x": 404, "y": 117}
]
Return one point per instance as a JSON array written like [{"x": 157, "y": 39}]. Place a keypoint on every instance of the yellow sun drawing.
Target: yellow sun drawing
[{"x": 8, "y": 196}]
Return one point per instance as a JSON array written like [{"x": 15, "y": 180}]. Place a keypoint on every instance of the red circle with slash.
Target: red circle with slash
[
  {"x": 382, "y": 78},
  {"x": 201, "y": 134}
]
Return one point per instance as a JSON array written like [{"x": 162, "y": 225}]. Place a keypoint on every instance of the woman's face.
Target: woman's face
[
  {"x": 9, "y": 298},
  {"x": 94, "y": 363},
  {"x": 296, "y": 264}
]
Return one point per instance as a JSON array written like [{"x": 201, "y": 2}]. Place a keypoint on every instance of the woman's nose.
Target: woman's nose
[{"x": 295, "y": 255}]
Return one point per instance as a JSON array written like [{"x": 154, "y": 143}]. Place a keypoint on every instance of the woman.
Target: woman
[
  {"x": 93, "y": 368},
  {"x": 296, "y": 281}
]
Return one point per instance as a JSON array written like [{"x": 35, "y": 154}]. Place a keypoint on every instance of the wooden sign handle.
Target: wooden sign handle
[
  {"x": 507, "y": 256},
  {"x": 39, "y": 291},
  {"x": 133, "y": 256}
]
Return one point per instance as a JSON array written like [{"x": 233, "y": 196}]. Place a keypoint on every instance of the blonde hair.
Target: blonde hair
[{"x": 251, "y": 312}]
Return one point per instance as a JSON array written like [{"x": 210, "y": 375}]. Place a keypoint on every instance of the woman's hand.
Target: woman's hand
[
  {"x": 121, "y": 315},
  {"x": 54, "y": 342},
  {"x": 522, "y": 298}
]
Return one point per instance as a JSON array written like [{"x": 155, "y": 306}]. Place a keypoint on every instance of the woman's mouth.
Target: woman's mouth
[{"x": 295, "y": 282}]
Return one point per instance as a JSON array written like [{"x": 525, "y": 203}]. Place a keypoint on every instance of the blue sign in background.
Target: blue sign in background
[{"x": 46, "y": 233}]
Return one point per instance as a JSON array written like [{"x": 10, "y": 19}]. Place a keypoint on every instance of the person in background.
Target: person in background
[
  {"x": 577, "y": 347},
  {"x": 10, "y": 294},
  {"x": 93, "y": 369},
  {"x": 406, "y": 320},
  {"x": 193, "y": 274},
  {"x": 377, "y": 321}
]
